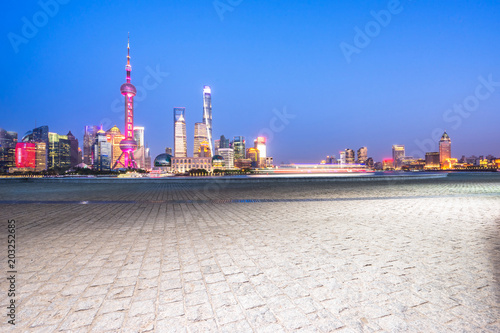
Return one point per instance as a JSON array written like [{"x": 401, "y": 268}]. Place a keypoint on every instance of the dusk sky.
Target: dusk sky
[{"x": 346, "y": 73}]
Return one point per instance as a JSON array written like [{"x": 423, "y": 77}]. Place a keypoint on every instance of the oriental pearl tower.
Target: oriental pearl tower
[{"x": 128, "y": 145}]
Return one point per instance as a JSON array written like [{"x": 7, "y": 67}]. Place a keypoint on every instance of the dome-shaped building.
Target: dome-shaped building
[
  {"x": 218, "y": 162},
  {"x": 163, "y": 161}
]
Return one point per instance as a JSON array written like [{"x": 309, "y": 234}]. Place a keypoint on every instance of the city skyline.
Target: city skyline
[{"x": 407, "y": 107}]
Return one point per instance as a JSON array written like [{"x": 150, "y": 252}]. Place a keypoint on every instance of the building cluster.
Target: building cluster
[
  {"x": 38, "y": 150},
  {"x": 222, "y": 154},
  {"x": 438, "y": 160}
]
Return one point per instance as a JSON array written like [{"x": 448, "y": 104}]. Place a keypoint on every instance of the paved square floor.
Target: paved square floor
[{"x": 384, "y": 256}]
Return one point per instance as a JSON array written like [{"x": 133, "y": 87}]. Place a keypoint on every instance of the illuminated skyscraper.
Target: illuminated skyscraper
[
  {"x": 128, "y": 145},
  {"x": 398, "y": 152},
  {"x": 349, "y": 156},
  {"x": 180, "y": 144},
  {"x": 239, "y": 147},
  {"x": 342, "y": 158},
  {"x": 207, "y": 113},
  {"x": 59, "y": 152},
  {"x": 204, "y": 150},
  {"x": 139, "y": 136},
  {"x": 40, "y": 156},
  {"x": 115, "y": 137},
  {"x": 26, "y": 155},
  {"x": 254, "y": 156},
  {"x": 8, "y": 141},
  {"x": 200, "y": 135},
  {"x": 102, "y": 152},
  {"x": 444, "y": 148},
  {"x": 89, "y": 135},
  {"x": 141, "y": 153},
  {"x": 362, "y": 155},
  {"x": 260, "y": 144},
  {"x": 228, "y": 155}
]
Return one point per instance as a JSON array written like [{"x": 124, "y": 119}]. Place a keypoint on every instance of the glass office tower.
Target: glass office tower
[{"x": 180, "y": 144}]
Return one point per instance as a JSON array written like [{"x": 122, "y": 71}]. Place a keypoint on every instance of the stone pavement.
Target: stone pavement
[{"x": 417, "y": 256}]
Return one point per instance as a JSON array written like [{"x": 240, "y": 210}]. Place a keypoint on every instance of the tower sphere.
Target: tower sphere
[
  {"x": 128, "y": 89},
  {"x": 128, "y": 145}
]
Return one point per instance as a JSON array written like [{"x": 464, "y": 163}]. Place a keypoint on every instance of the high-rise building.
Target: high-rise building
[
  {"x": 342, "y": 158},
  {"x": 444, "y": 148},
  {"x": 89, "y": 135},
  {"x": 216, "y": 147},
  {"x": 239, "y": 147},
  {"x": 207, "y": 113},
  {"x": 228, "y": 155},
  {"x": 362, "y": 155},
  {"x": 369, "y": 163},
  {"x": 180, "y": 144},
  {"x": 349, "y": 156},
  {"x": 26, "y": 155},
  {"x": 40, "y": 156},
  {"x": 139, "y": 136},
  {"x": 39, "y": 134},
  {"x": 128, "y": 145},
  {"x": 204, "y": 150},
  {"x": 260, "y": 144},
  {"x": 254, "y": 155},
  {"x": 140, "y": 154},
  {"x": 224, "y": 143},
  {"x": 102, "y": 152},
  {"x": 73, "y": 146},
  {"x": 200, "y": 135},
  {"x": 115, "y": 137},
  {"x": 8, "y": 142},
  {"x": 432, "y": 160},
  {"x": 168, "y": 150},
  {"x": 59, "y": 152},
  {"x": 398, "y": 151}
]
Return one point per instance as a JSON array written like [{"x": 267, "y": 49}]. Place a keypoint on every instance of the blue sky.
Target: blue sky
[{"x": 262, "y": 58}]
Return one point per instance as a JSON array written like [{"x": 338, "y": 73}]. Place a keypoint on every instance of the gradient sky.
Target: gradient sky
[{"x": 261, "y": 57}]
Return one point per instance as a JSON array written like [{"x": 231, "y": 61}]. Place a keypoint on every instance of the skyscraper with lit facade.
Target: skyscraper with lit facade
[
  {"x": 128, "y": 145},
  {"x": 8, "y": 142},
  {"x": 26, "y": 155},
  {"x": 59, "y": 152},
  {"x": 207, "y": 113},
  {"x": 349, "y": 156},
  {"x": 115, "y": 137},
  {"x": 200, "y": 135},
  {"x": 398, "y": 152},
  {"x": 102, "y": 152},
  {"x": 239, "y": 147},
  {"x": 141, "y": 153},
  {"x": 180, "y": 144},
  {"x": 228, "y": 155},
  {"x": 362, "y": 155},
  {"x": 444, "y": 148},
  {"x": 254, "y": 156},
  {"x": 89, "y": 135}
]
